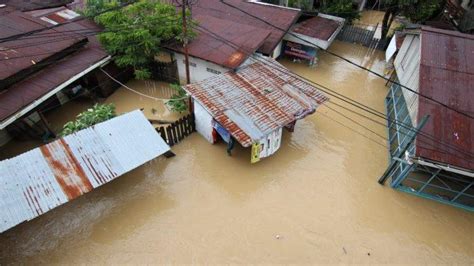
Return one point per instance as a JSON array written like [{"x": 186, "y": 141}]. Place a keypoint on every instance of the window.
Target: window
[
  {"x": 190, "y": 63},
  {"x": 212, "y": 71}
]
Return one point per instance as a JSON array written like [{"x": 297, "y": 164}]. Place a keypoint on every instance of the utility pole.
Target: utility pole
[{"x": 185, "y": 41}]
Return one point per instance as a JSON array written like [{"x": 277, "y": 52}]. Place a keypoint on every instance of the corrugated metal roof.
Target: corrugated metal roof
[
  {"x": 278, "y": 16},
  {"x": 46, "y": 177},
  {"x": 238, "y": 23},
  {"x": 26, "y": 5},
  {"x": 447, "y": 75},
  {"x": 318, "y": 27},
  {"x": 211, "y": 47},
  {"x": 30, "y": 51},
  {"x": 257, "y": 99},
  {"x": 25, "y": 92}
]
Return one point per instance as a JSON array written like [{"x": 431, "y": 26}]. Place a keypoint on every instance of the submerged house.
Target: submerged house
[
  {"x": 308, "y": 37},
  {"x": 44, "y": 178},
  {"x": 47, "y": 58},
  {"x": 438, "y": 162},
  {"x": 228, "y": 33},
  {"x": 252, "y": 105}
]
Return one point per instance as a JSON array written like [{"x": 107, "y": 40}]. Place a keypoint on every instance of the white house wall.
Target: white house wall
[
  {"x": 277, "y": 50},
  {"x": 198, "y": 69},
  {"x": 407, "y": 66},
  {"x": 271, "y": 143},
  {"x": 203, "y": 122}
]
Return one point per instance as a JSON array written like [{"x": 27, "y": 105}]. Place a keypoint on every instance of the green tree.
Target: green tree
[
  {"x": 178, "y": 102},
  {"x": 417, "y": 11},
  {"x": 340, "y": 8},
  {"x": 134, "y": 33},
  {"x": 302, "y": 4},
  {"x": 90, "y": 117}
]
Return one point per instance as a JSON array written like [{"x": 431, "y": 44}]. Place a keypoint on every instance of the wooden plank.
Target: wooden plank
[
  {"x": 174, "y": 133},
  {"x": 186, "y": 125},
  {"x": 183, "y": 127},
  {"x": 162, "y": 133},
  {"x": 193, "y": 123},
  {"x": 170, "y": 136},
  {"x": 178, "y": 130}
]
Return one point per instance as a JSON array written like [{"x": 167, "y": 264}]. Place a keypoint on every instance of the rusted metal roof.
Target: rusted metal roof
[
  {"x": 257, "y": 99},
  {"x": 447, "y": 75},
  {"x": 27, "y": 5},
  {"x": 46, "y": 177},
  {"x": 30, "y": 51},
  {"x": 280, "y": 17},
  {"x": 26, "y": 91},
  {"x": 318, "y": 27},
  {"x": 210, "y": 45}
]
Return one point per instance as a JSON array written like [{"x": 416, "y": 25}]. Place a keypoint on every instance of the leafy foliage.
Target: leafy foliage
[
  {"x": 135, "y": 33},
  {"x": 177, "y": 103},
  {"x": 92, "y": 116},
  {"x": 340, "y": 8},
  {"x": 417, "y": 11},
  {"x": 303, "y": 4}
]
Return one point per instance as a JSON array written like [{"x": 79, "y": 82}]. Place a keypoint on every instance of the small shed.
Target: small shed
[
  {"x": 253, "y": 105},
  {"x": 310, "y": 35},
  {"x": 46, "y": 177}
]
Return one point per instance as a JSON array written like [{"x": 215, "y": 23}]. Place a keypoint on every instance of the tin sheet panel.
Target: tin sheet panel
[{"x": 46, "y": 177}]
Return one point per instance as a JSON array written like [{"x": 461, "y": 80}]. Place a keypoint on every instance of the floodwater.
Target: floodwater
[
  {"x": 126, "y": 100},
  {"x": 370, "y": 18},
  {"x": 316, "y": 200}
]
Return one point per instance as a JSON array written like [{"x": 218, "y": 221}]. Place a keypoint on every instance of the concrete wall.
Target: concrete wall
[
  {"x": 203, "y": 122},
  {"x": 407, "y": 67},
  {"x": 198, "y": 69}
]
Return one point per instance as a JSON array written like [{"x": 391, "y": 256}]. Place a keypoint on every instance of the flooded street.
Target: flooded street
[{"x": 316, "y": 200}]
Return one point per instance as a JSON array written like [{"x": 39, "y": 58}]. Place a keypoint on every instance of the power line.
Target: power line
[
  {"x": 333, "y": 93},
  {"x": 355, "y": 122},
  {"x": 366, "y": 106},
  {"x": 140, "y": 93},
  {"x": 350, "y": 62},
  {"x": 351, "y": 129}
]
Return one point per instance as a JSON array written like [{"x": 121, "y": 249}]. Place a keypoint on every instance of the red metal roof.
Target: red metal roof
[
  {"x": 26, "y": 5},
  {"x": 447, "y": 75},
  {"x": 257, "y": 99},
  {"x": 26, "y": 52},
  {"x": 213, "y": 47},
  {"x": 278, "y": 16},
  {"x": 237, "y": 27},
  {"x": 23, "y": 93},
  {"x": 317, "y": 27}
]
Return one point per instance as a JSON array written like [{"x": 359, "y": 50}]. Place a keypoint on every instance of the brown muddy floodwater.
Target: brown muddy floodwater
[{"x": 316, "y": 200}]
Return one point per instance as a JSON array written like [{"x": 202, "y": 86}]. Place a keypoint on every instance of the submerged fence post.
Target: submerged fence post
[{"x": 393, "y": 163}]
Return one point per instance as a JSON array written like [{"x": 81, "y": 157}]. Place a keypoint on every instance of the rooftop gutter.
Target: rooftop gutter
[{"x": 444, "y": 167}]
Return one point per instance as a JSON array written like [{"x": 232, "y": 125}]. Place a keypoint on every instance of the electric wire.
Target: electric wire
[
  {"x": 350, "y": 62},
  {"x": 337, "y": 95}
]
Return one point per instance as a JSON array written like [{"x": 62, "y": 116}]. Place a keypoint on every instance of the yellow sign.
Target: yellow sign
[{"x": 255, "y": 157}]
